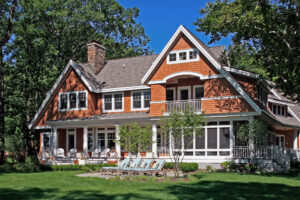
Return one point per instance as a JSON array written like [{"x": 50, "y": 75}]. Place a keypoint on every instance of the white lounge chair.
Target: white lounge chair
[
  {"x": 60, "y": 153},
  {"x": 96, "y": 153},
  {"x": 72, "y": 153}
]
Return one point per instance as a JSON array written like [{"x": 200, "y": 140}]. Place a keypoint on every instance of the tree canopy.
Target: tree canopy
[
  {"x": 46, "y": 35},
  {"x": 266, "y": 31}
]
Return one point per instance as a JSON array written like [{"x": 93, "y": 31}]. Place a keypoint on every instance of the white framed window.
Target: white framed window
[
  {"x": 71, "y": 139},
  {"x": 106, "y": 138},
  {"x": 198, "y": 92},
  {"x": 182, "y": 56},
  {"x": 184, "y": 93},
  {"x": 170, "y": 95},
  {"x": 69, "y": 101},
  {"x": 113, "y": 102},
  {"x": 90, "y": 139},
  {"x": 140, "y": 100},
  {"x": 46, "y": 141},
  {"x": 278, "y": 109}
]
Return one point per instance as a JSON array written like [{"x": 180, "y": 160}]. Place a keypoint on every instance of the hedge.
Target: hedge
[
  {"x": 87, "y": 167},
  {"x": 185, "y": 167}
]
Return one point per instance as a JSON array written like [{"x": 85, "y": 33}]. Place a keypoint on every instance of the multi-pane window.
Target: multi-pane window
[
  {"x": 192, "y": 54},
  {"x": 113, "y": 102},
  {"x": 63, "y": 101},
  {"x": 82, "y": 99},
  {"x": 101, "y": 139},
  {"x": 278, "y": 110},
  {"x": 73, "y": 101},
  {"x": 199, "y": 92},
  {"x": 111, "y": 140},
  {"x": 46, "y": 141},
  {"x": 172, "y": 57},
  {"x": 182, "y": 56},
  {"x": 188, "y": 55},
  {"x": 90, "y": 139},
  {"x": 141, "y": 100},
  {"x": 170, "y": 94}
]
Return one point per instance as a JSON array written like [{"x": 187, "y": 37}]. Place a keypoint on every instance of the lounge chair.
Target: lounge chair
[
  {"x": 121, "y": 164},
  {"x": 60, "y": 153},
  {"x": 144, "y": 166},
  {"x": 72, "y": 153},
  {"x": 104, "y": 153},
  {"x": 156, "y": 168},
  {"x": 95, "y": 153},
  {"x": 134, "y": 165}
]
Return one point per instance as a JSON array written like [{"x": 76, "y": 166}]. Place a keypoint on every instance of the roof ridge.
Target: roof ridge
[{"x": 132, "y": 57}]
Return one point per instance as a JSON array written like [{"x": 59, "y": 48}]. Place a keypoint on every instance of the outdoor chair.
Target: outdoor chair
[
  {"x": 144, "y": 166},
  {"x": 156, "y": 168},
  {"x": 60, "y": 153},
  {"x": 96, "y": 153},
  {"x": 72, "y": 153},
  {"x": 133, "y": 165},
  {"x": 122, "y": 164},
  {"x": 104, "y": 153}
]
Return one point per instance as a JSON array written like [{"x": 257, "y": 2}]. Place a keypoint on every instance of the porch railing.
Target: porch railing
[{"x": 184, "y": 104}]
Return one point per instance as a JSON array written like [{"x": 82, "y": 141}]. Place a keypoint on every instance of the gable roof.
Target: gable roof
[{"x": 209, "y": 55}]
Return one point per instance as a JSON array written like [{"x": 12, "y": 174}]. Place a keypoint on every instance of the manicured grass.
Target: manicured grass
[{"x": 65, "y": 185}]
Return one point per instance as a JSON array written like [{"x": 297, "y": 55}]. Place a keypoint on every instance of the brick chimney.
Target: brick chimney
[{"x": 96, "y": 56}]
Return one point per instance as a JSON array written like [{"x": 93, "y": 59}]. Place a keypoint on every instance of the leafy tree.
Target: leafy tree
[
  {"x": 7, "y": 18},
  {"x": 269, "y": 32},
  {"x": 255, "y": 134},
  {"x": 181, "y": 126},
  {"x": 47, "y": 35},
  {"x": 135, "y": 138}
]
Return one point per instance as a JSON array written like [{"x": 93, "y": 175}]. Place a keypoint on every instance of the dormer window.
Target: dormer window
[
  {"x": 69, "y": 101},
  {"x": 183, "y": 56},
  {"x": 278, "y": 109},
  {"x": 113, "y": 102}
]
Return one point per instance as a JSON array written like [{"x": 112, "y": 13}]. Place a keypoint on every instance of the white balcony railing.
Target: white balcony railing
[{"x": 184, "y": 104}]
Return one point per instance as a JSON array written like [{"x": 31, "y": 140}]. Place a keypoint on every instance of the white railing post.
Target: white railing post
[{"x": 54, "y": 141}]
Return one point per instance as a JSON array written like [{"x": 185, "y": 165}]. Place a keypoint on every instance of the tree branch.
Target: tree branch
[{"x": 7, "y": 36}]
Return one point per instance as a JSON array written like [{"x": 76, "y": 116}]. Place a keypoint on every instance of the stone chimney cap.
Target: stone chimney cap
[{"x": 94, "y": 42}]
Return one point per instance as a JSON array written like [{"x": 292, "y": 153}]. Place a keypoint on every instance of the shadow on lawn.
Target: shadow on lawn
[
  {"x": 37, "y": 193},
  {"x": 231, "y": 190}
]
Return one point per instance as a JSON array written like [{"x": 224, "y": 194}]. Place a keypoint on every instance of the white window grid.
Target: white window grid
[
  {"x": 114, "y": 98},
  {"x": 180, "y": 54},
  {"x": 142, "y": 97},
  {"x": 77, "y": 101}
]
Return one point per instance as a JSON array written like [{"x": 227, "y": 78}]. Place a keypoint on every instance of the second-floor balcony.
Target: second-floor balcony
[{"x": 183, "y": 105}]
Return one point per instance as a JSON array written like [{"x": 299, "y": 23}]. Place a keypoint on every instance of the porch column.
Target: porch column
[
  {"x": 85, "y": 141},
  {"x": 231, "y": 138},
  {"x": 295, "y": 139},
  {"x": 154, "y": 140},
  {"x": 54, "y": 141},
  {"x": 118, "y": 145},
  {"x": 251, "y": 142}
]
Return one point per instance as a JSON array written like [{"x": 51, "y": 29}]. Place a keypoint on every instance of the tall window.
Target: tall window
[
  {"x": 46, "y": 141},
  {"x": 113, "y": 102},
  {"x": 90, "y": 139},
  {"x": 141, "y": 100},
  {"x": 278, "y": 109},
  {"x": 73, "y": 101},
  {"x": 111, "y": 138},
  {"x": 170, "y": 94},
  {"x": 198, "y": 92},
  {"x": 101, "y": 138}
]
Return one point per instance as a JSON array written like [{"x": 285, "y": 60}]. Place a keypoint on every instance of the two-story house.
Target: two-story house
[{"x": 90, "y": 101}]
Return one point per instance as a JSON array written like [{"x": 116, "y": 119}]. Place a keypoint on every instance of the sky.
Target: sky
[{"x": 161, "y": 18}]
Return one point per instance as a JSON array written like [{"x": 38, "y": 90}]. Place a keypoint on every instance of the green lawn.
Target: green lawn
[{"x": 65, "y": 185}]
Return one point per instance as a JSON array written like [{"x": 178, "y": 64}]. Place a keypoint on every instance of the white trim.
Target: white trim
[
  {"x": 201, "y": 77},
  {"x": 154, "y": 102},
  {"x": 142, "y": 101},
  {"x": 187, "y": 60},
  {"x": 112, "y": 102},
  {"x": 224, "y": 97},
  {"x": 119, "y": 89},
  {"x": 93, "y": 144},
  {"x": 77, "y": 101},
  {"x": 174, "y": 92},
  {"x": 43, "y": 127},
  {"x": 226, "y": 74},
  {"x": 241, "y": 72},
  {"x": 43, "y": 146},
  {"x": 280, "y": 102},
  {"x": 67, "y": 138},
  {"x": 194, "y": 90},
  {"x": 183, "y": 88}
]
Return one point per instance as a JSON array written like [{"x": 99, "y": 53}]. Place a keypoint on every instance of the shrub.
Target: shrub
[
  {"x": 229, "y": 166},
  {"x": 184, "y": 167},
  {"x": 87, "y": 167},
  {"x": 209, "y": 168},
  {"x": 6, "y": 168}
]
